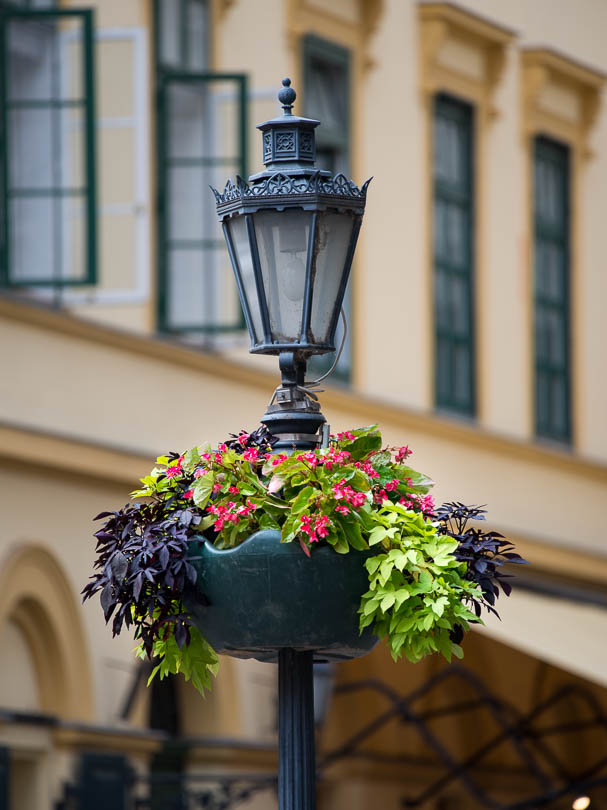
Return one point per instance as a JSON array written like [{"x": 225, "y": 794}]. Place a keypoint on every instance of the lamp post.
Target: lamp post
[{"x": 291, "y": 232}]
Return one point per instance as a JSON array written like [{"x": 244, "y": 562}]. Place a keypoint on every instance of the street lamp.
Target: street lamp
[{"x": 291, "y": 232}]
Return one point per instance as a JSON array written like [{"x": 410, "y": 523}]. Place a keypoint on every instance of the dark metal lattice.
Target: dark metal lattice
[{"x": 527, "y": 734}]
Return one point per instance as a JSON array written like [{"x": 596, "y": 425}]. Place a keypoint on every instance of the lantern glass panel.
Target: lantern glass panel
[
  {"x": 282, "y": 240},
  {"x": 334, "y": 232},
  {"x": 240, "y": 241}
]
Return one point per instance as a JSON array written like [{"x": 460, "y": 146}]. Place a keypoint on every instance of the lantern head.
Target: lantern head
[{"x": 291, "y": 232}]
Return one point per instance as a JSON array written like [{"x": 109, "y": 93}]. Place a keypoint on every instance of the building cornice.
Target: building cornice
[{"x": 64, "y": 452}]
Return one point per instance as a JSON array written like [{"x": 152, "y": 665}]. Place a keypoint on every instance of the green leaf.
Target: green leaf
[
  {"x": 399, "y": 558},
  {"x": 438, "y": 605},
  {"x": 387, "y": 601},
  {"x": 191, "y": 460},
  {"x": 406, "y": 624},
  {"x": 457, "y": 651},
  {"x": 378, "y": 535},
  {"x": 202, "y": 489},
  {"x": 266, "y": 521},
  {"x": 401, "y": 596},
  {"x": 373, "y": 563},
  {"x": 302, "y": 501},
  {"x": 370, "y": 606}
]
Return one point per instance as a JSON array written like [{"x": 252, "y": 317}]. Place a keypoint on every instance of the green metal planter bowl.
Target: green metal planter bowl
[{"x": 265, "y": 595}]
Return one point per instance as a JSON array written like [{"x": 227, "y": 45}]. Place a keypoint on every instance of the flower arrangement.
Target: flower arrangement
[{"x": 430, "y": 577}]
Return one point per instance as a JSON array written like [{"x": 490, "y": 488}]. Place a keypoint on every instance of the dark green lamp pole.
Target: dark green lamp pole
[{"x": 291, "y": 232}]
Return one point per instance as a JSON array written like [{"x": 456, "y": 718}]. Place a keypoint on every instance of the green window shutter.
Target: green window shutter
[
  {"x": 327, "y": 97},
  {"x": 4, "y": 777},
  {"x": 551, "y": 297},
  {"x": 453, "y": 255},
  {"x": 105, "y": 780},
  {"x": 201, "y": 127},
  {"x": 47, "y": 147}
]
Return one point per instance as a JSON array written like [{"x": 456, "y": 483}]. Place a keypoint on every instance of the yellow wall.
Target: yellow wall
[{"x": 85, "y": 406}]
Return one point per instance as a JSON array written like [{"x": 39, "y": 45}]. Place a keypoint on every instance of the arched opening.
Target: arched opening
[
  {"x": 38, "y": 609},
  {"x": 18, "y": 677}
]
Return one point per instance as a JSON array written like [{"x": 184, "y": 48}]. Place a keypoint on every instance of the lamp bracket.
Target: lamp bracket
[{"x": 294, "y": 415}]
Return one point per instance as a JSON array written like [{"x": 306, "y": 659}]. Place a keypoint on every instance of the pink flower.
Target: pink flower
[
  {"x": 233, "y": 490},
  {"x": 242, "y": 439},
  {"x": 349, "y": 495},
  {"x": 343, "y": 510},
  {"x": 216, "y": 488},
  {"x": 403, "y": 453},
  {"x": 426, "y": 503},
  {"x": 205, "y": 456},
  {"x": 392, "y": 485},
  {"x": 346, "y": 435},
  {"x": 340, "y": 491},
  {"x": 311, "y": 458},
  {"x": 321, "y": 525},
  {"x": 380, "y": 496},
  {"x": 173, "y": 470},
  {"x": 367, "y": 468},
  {"x": 306, "y": 528},
  {"x": 200, "y": 471},
  {"x": 357, "y": 499},
  {"x": 251, "y": 455},
  {"x": 222, "y": 447},
  {"x": 336, "y": 457},
  {"x": 278, "y": 459},
  {"x": 189, "y": 494}
]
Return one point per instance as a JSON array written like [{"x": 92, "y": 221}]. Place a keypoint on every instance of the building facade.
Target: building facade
[{"x": 476, "y": 335}]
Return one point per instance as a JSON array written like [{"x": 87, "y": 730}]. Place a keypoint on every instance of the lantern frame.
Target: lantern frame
[{"x": 291, "y": 181}]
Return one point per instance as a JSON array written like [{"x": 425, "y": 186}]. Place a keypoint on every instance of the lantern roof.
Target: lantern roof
[
  {"x": 291, "y": 178},
  {"x": 288, "y": 141}
]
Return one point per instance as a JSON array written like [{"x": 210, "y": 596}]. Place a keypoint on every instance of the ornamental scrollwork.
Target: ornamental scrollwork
[{"x": 278, "y": 183}]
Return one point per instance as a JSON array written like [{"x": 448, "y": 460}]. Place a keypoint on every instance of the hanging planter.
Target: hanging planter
[
  {"x": 244, "y": 550},
  {"x": 263, "y": 595}
]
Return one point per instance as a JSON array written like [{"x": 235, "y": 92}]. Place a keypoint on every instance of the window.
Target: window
[
  {"x": 326, "y": 71},
  {"x": 453, "y": 255},
  {"x": 201, "y": 130},
  {"x": 551, "y": 252},
  {"x": 47, "y": 146}
]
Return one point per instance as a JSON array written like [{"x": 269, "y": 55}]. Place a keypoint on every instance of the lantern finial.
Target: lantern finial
[{"x": 287, "y": 96}]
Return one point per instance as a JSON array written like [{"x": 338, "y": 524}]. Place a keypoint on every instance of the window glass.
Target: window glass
[
  {"x": 453, "y": 266},
  {"x": 551, "y": 249},
  {"x": 47, "y": 156},
  {"x": 327, "y": 98},
  {"x": 201, "y": 142}
]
